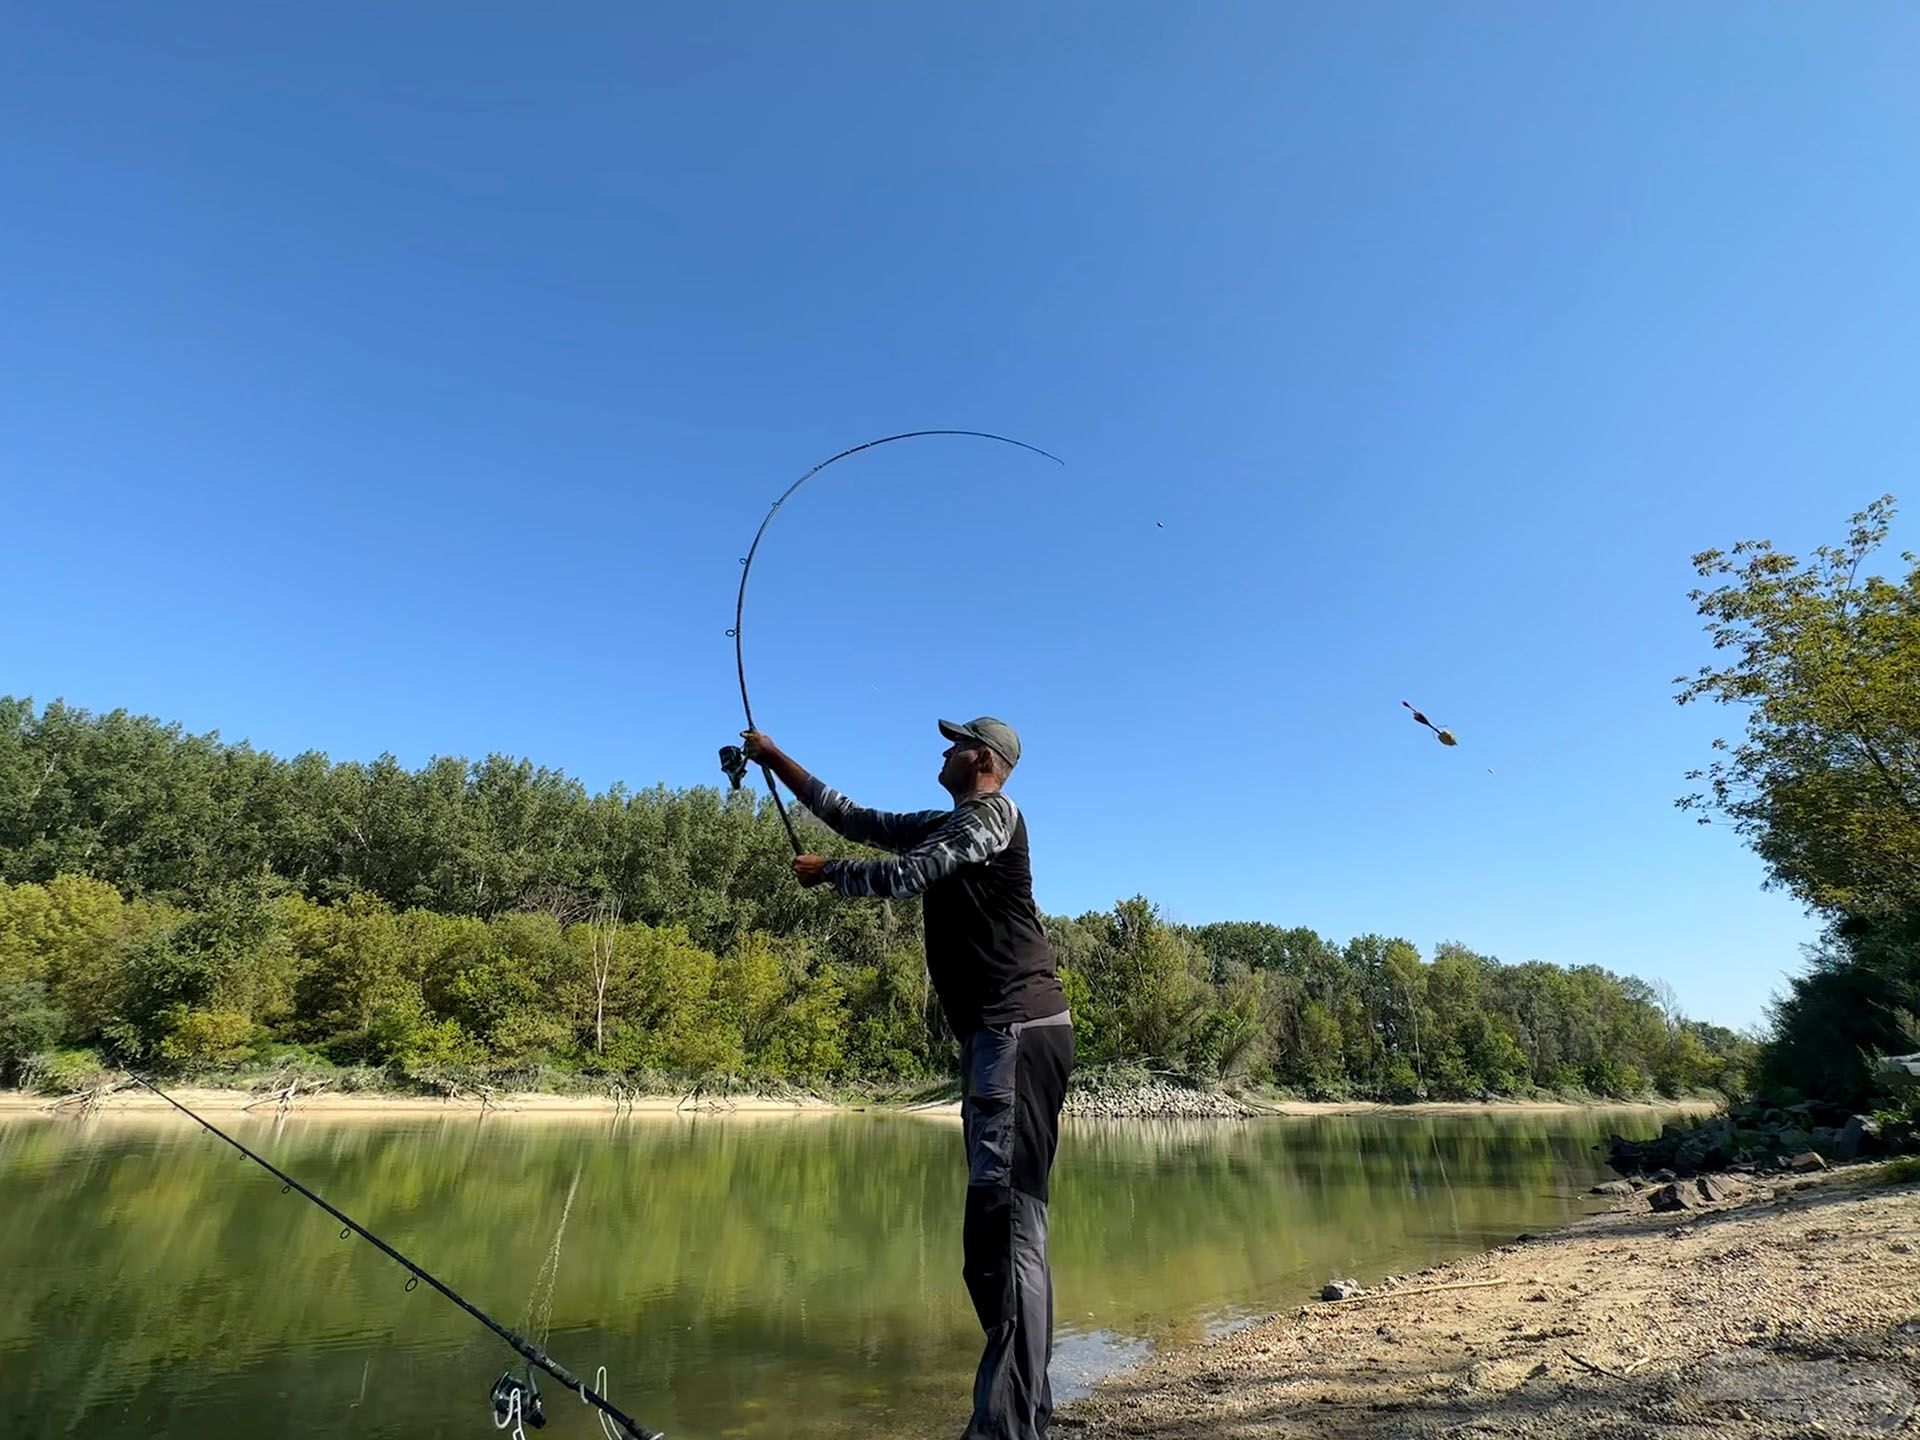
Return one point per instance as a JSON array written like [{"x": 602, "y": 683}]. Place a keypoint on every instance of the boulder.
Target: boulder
[
  {"x": 1717, "y": 1189},
  {"x": 1341, "y": 1290},
  {"x": 1627, "y": 1157},
  {"x": 1702, "y": 1152},
  {"x": 1859, "y": 1136},
  {"x": 1899, "y": 1069},
  {"x": 1617, "y": 1188},
  {"x": 1669, "y": 1198},
  {"x": 1805, "y": 1162}
]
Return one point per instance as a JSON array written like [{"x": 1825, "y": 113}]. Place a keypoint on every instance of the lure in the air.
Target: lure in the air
[{"x": 1445, "y": 737}]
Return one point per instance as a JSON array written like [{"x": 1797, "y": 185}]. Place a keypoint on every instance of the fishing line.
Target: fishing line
[
  {"x": 513, "y": 1400},
  {"x": 539, "y": 1317},
  {"x": 733, "y": 759}
]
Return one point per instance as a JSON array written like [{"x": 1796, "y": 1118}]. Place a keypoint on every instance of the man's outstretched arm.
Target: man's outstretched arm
[
  {"x": 882, "y": 829},
  {"x": 977, "y": 830}
]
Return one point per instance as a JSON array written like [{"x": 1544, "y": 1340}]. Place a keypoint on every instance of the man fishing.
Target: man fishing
[{"x": 995, "y": 975}]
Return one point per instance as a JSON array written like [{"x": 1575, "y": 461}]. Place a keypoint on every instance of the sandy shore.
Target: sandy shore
[
  {"x": 376, "y": 1106},
  {"x": 1483, "y": 1107},
  {"x": 1793, "y": 1309}
]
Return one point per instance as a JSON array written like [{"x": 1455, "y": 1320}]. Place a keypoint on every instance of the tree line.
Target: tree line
[{"x": 180, "y": 902}]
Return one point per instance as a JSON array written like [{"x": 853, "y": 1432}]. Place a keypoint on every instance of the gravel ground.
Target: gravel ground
[{"x": 1789, "y": 1309}]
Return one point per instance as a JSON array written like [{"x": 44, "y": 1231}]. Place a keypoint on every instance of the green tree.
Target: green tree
[{"x": 1826, "y": 783}]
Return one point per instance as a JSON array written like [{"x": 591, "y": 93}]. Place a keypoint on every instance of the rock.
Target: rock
[
  {"x": 1628, "y": 1157},
  {"x": 1612, "y": 1187},
  {"x": 1899, "y": 1069},
  {"x": 1663, "y": 1177},
  {"x": 1717, "y": 1189},
  {"x": 1859, "y": 1136},
  {"x": 1341, "y": 1290},
  {"x": 1806, "y": 1161},
  {"x": 1668, "y": 1198},
  {"x": 1112, "y": 1101}
]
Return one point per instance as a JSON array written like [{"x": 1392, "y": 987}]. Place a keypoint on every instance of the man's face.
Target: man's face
[{"x": 958, "y": 762}]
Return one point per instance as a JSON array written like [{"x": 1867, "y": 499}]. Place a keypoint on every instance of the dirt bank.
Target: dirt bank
[{"x": 1791, "y": 1310}]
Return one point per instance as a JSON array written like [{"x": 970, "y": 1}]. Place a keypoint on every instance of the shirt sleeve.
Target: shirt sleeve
[
  {"x": 975, "y": 831},
  {"x": 882, "y": 829}
]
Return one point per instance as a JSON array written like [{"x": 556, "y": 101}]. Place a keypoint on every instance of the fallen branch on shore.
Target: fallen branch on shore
[
  {"x": 88, "y": 1100},
  {"x": 1608, "y": 1371},
  {"x": 286, "y": 1094},
  {"x": 701, "y": 1097},
  {"x": 1405, "y": 1294}
]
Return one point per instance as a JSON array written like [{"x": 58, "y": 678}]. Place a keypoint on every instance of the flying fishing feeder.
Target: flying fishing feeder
[{"x": 1445, "y": 737}]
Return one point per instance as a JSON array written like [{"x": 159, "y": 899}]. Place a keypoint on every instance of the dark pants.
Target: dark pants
[{"x": 1013, "y": 1081}]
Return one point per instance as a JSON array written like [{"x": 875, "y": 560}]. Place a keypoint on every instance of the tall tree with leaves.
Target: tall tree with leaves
[{"x": 1826, "y": 783}]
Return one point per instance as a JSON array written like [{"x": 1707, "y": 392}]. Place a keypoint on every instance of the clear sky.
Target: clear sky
[{"x": 409, "y": 378}]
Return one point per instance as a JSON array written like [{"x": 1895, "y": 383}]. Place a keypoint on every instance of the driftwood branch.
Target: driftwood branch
[
  {"x": 89, "y": 1099},
  {"x": 284, "y": 1096},
  {"x": 1407, "y": 1294},
  {"x": 1608, "y": 1371},
  {"x": 700, "y": 1097}
]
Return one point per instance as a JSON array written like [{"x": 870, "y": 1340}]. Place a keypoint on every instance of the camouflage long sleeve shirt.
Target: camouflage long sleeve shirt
[{"x": 927, "y": 845}]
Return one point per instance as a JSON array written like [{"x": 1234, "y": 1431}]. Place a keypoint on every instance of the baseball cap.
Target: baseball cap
[{"x": 996, "y": 735}]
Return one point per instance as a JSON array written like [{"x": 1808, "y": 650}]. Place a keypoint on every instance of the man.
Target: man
[{"x": 997, "y": 981}]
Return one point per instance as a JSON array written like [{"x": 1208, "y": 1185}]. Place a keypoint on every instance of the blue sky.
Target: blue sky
[{"x": 410, "y": 378}]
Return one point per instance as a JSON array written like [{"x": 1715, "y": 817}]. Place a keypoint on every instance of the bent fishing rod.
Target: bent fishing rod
[
  {"x": 733, "y": 759},
  {"x": 513, "y": 1399}
]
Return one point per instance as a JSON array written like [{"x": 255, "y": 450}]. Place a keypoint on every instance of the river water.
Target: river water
[{"x": 791, "y": 1276}]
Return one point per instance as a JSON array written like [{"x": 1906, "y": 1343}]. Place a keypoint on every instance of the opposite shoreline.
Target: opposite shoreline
[{"x": 374, "y": 1105}]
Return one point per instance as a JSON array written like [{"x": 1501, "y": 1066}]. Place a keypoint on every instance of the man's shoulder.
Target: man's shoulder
[{"x": 997, "y": 804}]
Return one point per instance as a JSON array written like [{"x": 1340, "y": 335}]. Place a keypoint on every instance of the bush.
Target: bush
[
  {"x": 61, "y": 1072},
  {"x": 198, "y": 1038},
  {"x": 29, "y": 1023}
]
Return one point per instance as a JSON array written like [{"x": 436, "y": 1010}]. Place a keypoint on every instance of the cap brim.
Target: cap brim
[{"x": 958, "y": 732}]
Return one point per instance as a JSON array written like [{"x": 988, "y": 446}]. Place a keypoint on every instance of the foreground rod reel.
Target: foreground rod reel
[
  {"x": 514, "y": 1396},
  {"x": 733, "y": 760}
]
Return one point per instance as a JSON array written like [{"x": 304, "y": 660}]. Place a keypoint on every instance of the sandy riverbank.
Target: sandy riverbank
[
  {"x": 1485, "y": 1107},
  {"x": 1791, "y": 1310},
  {"x": 373, "y": 1105}
]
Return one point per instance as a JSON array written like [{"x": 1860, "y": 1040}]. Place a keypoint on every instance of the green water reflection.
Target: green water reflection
[{"x": 790, "y": 1277}]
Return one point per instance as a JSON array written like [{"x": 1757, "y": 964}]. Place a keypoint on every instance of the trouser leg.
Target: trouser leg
[{"x": 1015, "y": 1081}]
